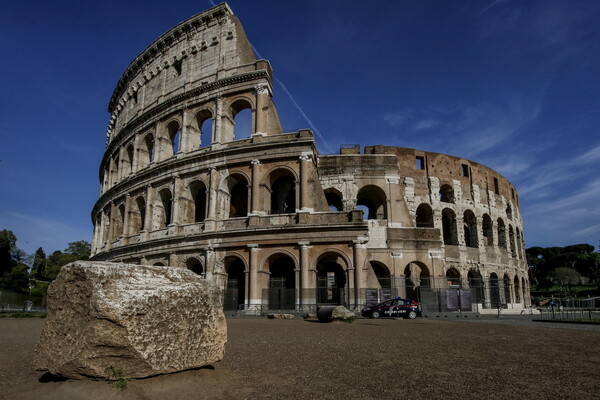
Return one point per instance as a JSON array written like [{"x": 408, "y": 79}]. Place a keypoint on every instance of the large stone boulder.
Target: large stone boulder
[
  {"x": 141, "y": 320},
  {"x": 335, "y": 313}
]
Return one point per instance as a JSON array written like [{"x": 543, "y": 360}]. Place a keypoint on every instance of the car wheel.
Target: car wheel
[
  {"x": 375, "y": 314},
  {"x": 412, "y": 314}
]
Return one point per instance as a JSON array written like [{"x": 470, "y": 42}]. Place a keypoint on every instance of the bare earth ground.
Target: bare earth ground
[{"x": 369, "y": 359}]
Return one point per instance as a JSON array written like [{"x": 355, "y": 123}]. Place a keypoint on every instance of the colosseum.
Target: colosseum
[{"x": 276, "y": 224}]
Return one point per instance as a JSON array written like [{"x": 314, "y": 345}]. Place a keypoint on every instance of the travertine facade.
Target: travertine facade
[{"x": 268, "y": 218}]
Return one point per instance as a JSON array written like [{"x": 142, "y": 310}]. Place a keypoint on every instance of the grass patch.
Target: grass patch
[{"x": 117, "y": 377}]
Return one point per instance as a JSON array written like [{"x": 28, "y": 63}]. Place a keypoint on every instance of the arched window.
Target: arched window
[
  {"x": 198, "y": 195},
  {"x": 121, "y": 227},
  {"x": 416, "y": 276},
  {"x": 205, "y": 125},
  {"x": 424, "y": 216},
  {"x": 449, "y": 227},
  {"x": 506, "y": 283},
  {"x": 149, "y": 144},
  {"x": 509, "y": 214},
  {"x": 447, "y": 194},
  {"x": 241, "y": 112},
  {"x": 174, "y": 135},
  {"x": 283, "y": 192},
  {"x": 517, "y": 290},
  {"x": 477, "y": 287},
  {"x": 511, "y": 237},
  {"x": 501, "y": 234},
  {"x": 383, "y": 275},
  {"x": 282, "y": 282},
  {"x": 128, "y": 164},
  {"x": 494, "y": 291},
  {"x": 139, "y": 216},
  {"x": 166, "y": 202},
  {"x": 373, "y": 198},
  {"x": 194, "y": 265},
  {"x": 235, "y": 289},
  {"x": 114, "y": 170},
  {"x": 488, "y": 230},
  {"x": 331, "y": 280},
  {"x": 237, "y": 187},
  {"x": 470, "y": 229},
  {"x": 334, "y": 199},
  {"x": 453, "y": 277}
]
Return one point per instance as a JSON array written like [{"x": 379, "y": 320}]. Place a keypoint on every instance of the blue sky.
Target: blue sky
[{"x": 514, "y": 85}]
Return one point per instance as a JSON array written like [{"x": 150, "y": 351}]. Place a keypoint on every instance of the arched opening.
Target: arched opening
[
  {"x": 238, "y": 196},
  {"x": 128, "y": 161},
  {"x": 331, "y": 280},
  {"x": 166, "y": 203},
  {"x": 488, "y": 230},
  {"x": 373, "y": 198},
  {"x": 446, "y": 194},
  {"x": 282, "y": 283},
  {"x": 235, "y": 289},
  {"x": 509, "y": 213},
  {"x": 453, "y": 277},
  {"x": 424, "y": 217},
  {"x": 205, "y": 125},
  {"x": 501, "y": 234},
  {"x": 149, "y": 145},
  {"x": 121, "y": 222},
  {"x": 241, "y": 112},
  {"x": 416, "y": 276},
  {"x": 511, "y": 238},
  {"x": 114, "y": 170},
  {"x": 383, "y": 275},
  {"x": 470, "y": 229},
  {"x": 283, "y": 192},
  {"x": 518, "y": 244},
  {"x": 194, "y": 265},
  {"x": 334, "y": 199},
  {"x": 477, "y": 286},
  {"x": 494, "y": 291},
  {"x": 506, "y": 283},
  {"x": 139, "y": 216},
  {"x": 517, "y": 290},
  {"x": 174, "y": 135},
  {"x": 449, "y": 227},
  {"x": 198, "y": 194}
]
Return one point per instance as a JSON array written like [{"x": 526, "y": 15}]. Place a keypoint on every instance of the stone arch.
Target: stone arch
[
  {"x": 506, "y": 282},
  {"x": 509, "y": 213},
  {"x": 235, "y": 287},
  {"x": 198, "y": 206},
  {"x": 424, "y": 216},
  {"x": 204, "y": 122},
  {"x": 518, "y": 243},
  {"x": 138, "y": 217},
  {"x": 416, "y": 276},
  {"x": 446, "y": 193},
  {"x": 282, "y": 281},
  {"x": 382, "y": 273},
  {"x": 517, "y": 286},
  {"x": 453, "y": 276},
  {"x": 511, "y": 238},
  {"x": 332, "y": 280},
  {"x": 173, "y": 135},
  {"x": 237, "y": 106},
  {"x": 488, "y": 230},
  {"x": 373, "y": 198},
  {"x": 476, "y": 284},
  {"x": 235, "y": 189},
  {"x": 282, "y": 184},
  {"x": 120, "y": 228},
  {"x": 165, "y": 205},
  {"x": 449, "y": 231},
  {"x": 501, "y": 233},
  {"x": 149, "y": 149},
  {"x": 128, "y": 160},
  {"x": 470, "y": 229},
  {"x": 196, "y": 266},
  {"x": 334, "y": 199},
  {"x": 494, "y": 291}
]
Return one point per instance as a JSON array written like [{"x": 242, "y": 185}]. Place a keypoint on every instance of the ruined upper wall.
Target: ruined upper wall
[{"x": 201, "y": 50}]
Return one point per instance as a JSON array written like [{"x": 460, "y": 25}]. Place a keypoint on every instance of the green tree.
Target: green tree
[
  {"x": 75, "y": 251},
  {"x": 39, "y": 264},
  {"x": 565, "y": 277},
  {"x": 8, "y": 245},
  {"x": 589, "y": 266}
]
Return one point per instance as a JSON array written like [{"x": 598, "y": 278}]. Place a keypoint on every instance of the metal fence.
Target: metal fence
[{"x": 16, "y": 302}]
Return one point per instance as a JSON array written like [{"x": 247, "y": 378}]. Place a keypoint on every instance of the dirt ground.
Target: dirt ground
[{"x": 368, "y": 359}]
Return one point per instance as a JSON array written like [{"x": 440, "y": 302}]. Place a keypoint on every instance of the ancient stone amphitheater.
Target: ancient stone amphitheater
[{"x": 276, "y": 224}]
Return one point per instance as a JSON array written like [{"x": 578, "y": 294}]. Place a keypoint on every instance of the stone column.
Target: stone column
[
  {"x": 305, "y": 296},
  {"x": 136, "y": 153},
  {"x": 149, "y": 209},
  {"x": 304, "y": 191},
  {"x": 212, "y": 199},
  {"x": 127, "y": 219},
  {"x": 255, "y": 191},
  {"x": 176, "y": 203},
  {"x": 360, "y": 256},
  {"x": 254, "y": 298},
  {"x": 262, "y": 102}
]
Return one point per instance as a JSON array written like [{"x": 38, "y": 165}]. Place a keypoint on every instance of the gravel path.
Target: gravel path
[{"x": 369, "y": 359}]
